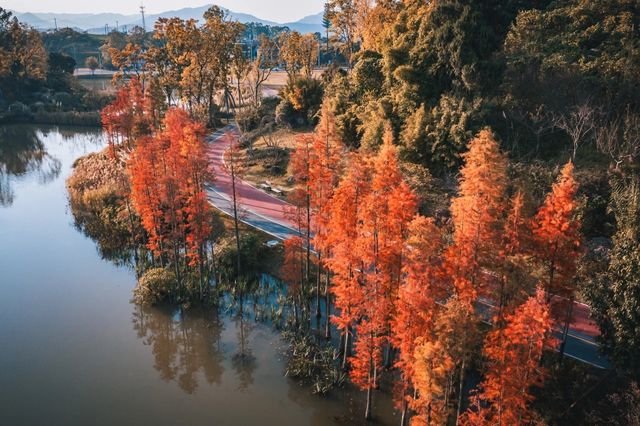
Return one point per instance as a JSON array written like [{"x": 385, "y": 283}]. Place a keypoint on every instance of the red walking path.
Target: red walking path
[
  {"x": 255, "y": 207},
  {"x": 267, "y": 213}
]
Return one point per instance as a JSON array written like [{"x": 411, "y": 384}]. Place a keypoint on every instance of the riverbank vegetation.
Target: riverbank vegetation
[
  {"x": 468, "y": 176},
  {"x": 37, "y": 83}
]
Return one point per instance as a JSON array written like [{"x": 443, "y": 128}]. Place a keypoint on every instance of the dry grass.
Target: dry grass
[{"x": 269, "y": 158}]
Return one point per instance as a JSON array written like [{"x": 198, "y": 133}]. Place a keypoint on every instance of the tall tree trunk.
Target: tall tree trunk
[
  {"x": 461, "y": 390},
  {"x": 405, "y": 413},
  {"x": 345, "y": 354},
  {"x": 327, "y": 304},
  {"x": 307, "y": 277},
  {"x": 235, "y": 223},
  {"x": 319, "y": 273},
  {"x": 565, "y": 330}
]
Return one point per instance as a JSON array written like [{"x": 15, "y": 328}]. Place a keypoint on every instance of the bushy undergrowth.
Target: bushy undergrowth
[
  {"x": 98, "y": 189},
  {"x": 155, "y": 286},
  {"x": 313, "y": 362}
]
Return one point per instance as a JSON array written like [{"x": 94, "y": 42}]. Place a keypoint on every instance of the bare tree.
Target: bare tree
[
  {"x": 234, "y": 163},
  {"x": 240, "y": 67},
  {"x": 539, "y": 122},
  {"x": 619, "y": 137},
  {"x": 579, "y": 124},
  {"x": 262, "y": 67}
]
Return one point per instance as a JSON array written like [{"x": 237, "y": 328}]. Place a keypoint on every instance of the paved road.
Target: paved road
[
  {"x": 256, "y": 208},
  {"x": 267, "y": 213}
]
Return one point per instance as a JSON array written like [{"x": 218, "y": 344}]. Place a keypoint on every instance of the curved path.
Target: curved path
[
  {"x": 256, "y": 208},
  {"x": 267, "y": 213}
]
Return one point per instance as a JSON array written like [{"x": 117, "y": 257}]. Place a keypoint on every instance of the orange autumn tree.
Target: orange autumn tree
[
  {"x": 324, "y": 174},
  {"x": 416, "y": 303},
  {"x": 556, "y": 233},
  {"x": 343, "y": 261},
  {"x": 193, "y": 172},
  {"x": 126, "y": 118},
  {"x": 516, "y": 240},
  {"x": 145, "y": 192},
  {"x": 300, "y": 198},
  {"x": 388, "y": 209},
  {"x": 432, "y": 364},
  {"x": 513, "y": 354},
  {"x": 477, "y": 214},
  {"x": 557, "y": 241},
  {"x": 168, "y": 172}
]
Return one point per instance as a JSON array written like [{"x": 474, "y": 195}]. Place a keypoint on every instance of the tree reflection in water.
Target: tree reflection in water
[
  {"x": 243, "y": 361},
  {"x": 183, "y": 344},
  {"x": 187, "y": 343},
  {"x": 22, "y": 153}
]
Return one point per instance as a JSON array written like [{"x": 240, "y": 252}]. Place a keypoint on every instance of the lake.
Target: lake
[{"x": 75, "y": 351}]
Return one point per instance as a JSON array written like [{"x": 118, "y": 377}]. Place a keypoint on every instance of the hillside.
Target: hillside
[{"x": 96, "y": 23}]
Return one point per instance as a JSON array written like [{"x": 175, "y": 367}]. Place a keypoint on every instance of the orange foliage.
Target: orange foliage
[
  {"x": 383, "y": 225},
  {"x": 416, "y": 303},
  {"x": 513, "y": 355},
  {"x": 556, "y": 234},
  {"x": 346, "y": 206},
  {"x": 477, "y": 214},
  {"x": 126, "y": 119},
  {"x": 432, "y": 367},
  {"x": 168, "y": 172}
]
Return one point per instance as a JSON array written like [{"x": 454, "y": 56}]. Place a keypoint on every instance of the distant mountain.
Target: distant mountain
[
  {"x": 96, "y": 23},
  {"x": 312, "y": 19},
  {"x": 308, "y": 24}
]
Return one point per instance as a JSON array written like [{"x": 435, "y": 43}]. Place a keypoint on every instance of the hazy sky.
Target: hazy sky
[{"x": 274, "y": 10}]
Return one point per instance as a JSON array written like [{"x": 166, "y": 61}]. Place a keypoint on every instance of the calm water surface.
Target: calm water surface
[{"x": 75, "y": 351}]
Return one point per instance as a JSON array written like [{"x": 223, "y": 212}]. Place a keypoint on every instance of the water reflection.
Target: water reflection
[
  {"x": 183, "y": 343},
  {"x": 243, "y": 360},
  {"x": 22, "y": 153}
]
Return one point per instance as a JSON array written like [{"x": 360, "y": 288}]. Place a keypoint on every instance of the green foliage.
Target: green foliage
[
  {"x": 69, "y": 42},
  {"x": 60, "y": 71},
  {"x": 437, "y": 137},
  {"x": 614, "y": 294},
  {"x": 23, "y": 59},
  {"x": 155, "y": 286},
  {"x": 253, "y": 256},
  {"x": 301, "y": 100},
  {"x": 569, "y": 54}
]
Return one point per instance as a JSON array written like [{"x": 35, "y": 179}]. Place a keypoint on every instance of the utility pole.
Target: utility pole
[
  {"x": 55, "y": 21},
  {"x": 144, "y": 25},
  {"x": 117, "y": 26}
]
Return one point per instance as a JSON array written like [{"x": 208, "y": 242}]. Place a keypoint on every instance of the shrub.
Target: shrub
[
  {"x": 304, "y": 96},
  {"x": 313, "y": 362},
  {"x": 154, "y": 286},
  {"x": 18, "y": 108}
]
